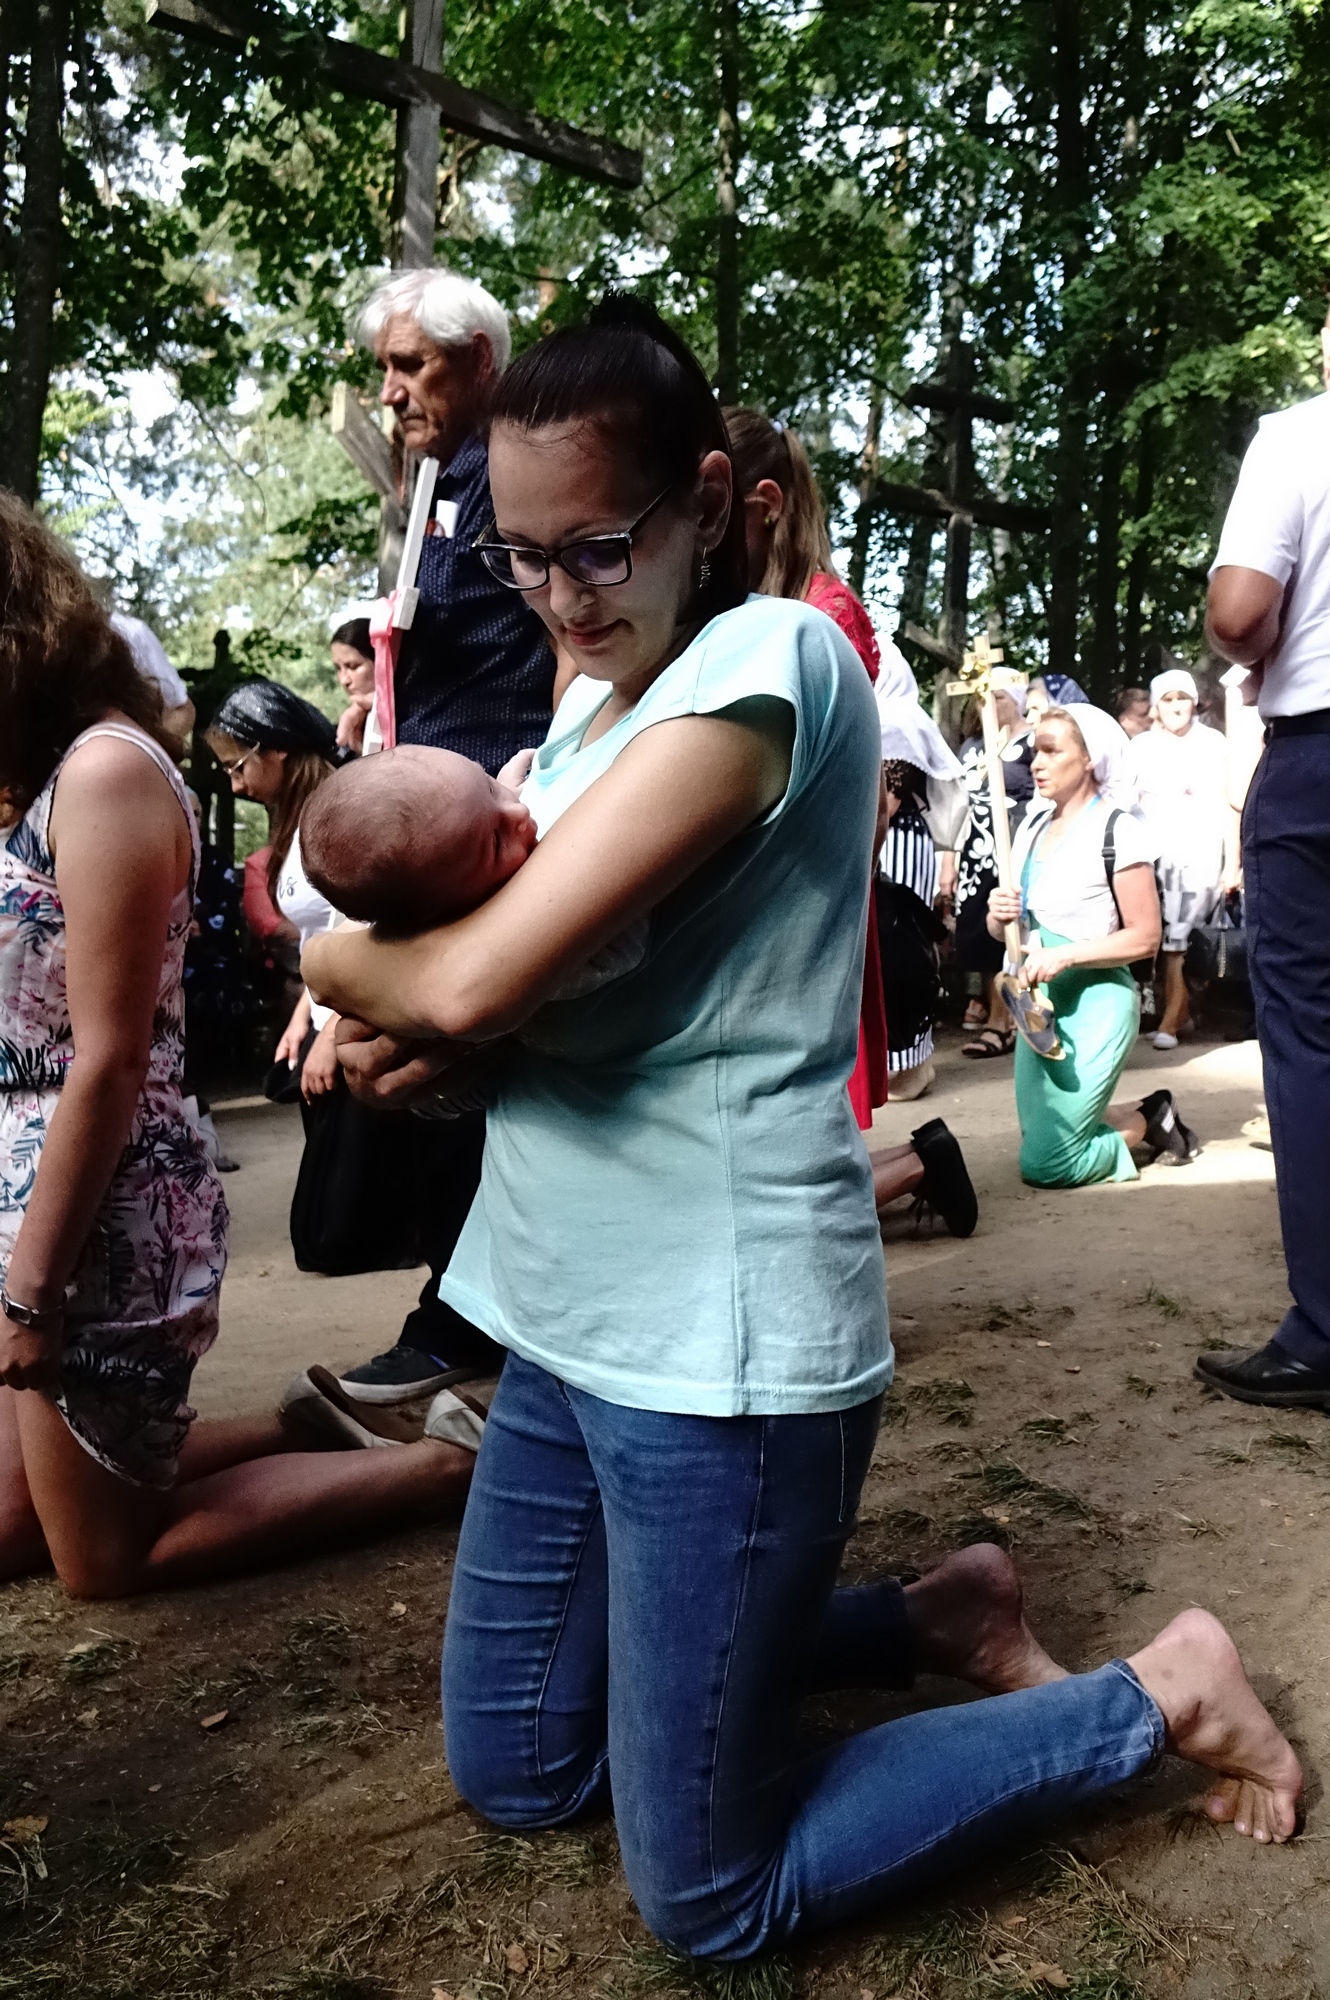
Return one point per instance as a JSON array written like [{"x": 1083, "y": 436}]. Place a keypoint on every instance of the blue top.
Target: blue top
[
  {"x": 676, "y": 1209},
  {"x": 476, "y": 672}
]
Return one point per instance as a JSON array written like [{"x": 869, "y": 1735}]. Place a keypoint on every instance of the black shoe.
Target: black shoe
[
  {"x": 1165, "y": 1133},
  {"x": 946, "y": 1187},
  {"x": 1271, "y": 1375},
  {"x": 404, "y": 1373}
]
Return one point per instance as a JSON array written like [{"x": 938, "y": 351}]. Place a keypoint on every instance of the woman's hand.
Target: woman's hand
[
  {"x": 28, "y": 1359},
  {"x": 1039, "y": 966},
  {"x": 946, "y": 882},
  {"x": 351, "y": 722},
  {"x": 293, "y": 1034},
  {"x": 384, "y": 1072},
  {"x": 321, "y": 1065},
  {"x": 1004, "y": 905}
]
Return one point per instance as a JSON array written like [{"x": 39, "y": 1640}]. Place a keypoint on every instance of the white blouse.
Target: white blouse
[
  {"x": 301, "y": 904},
  {"x": 1068, "y": 894}
]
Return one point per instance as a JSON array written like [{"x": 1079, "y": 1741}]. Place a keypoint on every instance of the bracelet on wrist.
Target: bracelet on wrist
[{"x": 40, "y": 1319}]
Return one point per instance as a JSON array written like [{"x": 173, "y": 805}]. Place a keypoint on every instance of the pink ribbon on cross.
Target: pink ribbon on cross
[{"x": 387, "y": 640}]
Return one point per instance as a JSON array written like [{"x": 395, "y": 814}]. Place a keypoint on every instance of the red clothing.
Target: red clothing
[
  {"x": 261, "y": 913},
  {"x": 868, "y": 1083},
  {"x": 829, "y": 594}
]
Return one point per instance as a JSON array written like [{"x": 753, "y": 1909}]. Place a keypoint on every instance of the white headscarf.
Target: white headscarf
[
  {"x": 910, "y": 735},
  {"x": 1011, "y": 682},
  {"x": 1106, "y": 745},
  {"x": 894, "y": 677},
  {"x": 1175, "y": 680}
]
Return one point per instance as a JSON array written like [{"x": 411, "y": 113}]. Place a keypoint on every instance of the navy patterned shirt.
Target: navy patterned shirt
[{"x": 476, "y": 672}]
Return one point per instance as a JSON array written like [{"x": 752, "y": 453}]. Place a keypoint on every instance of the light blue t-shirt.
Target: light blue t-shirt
[{"x": 676, "y": 1209}]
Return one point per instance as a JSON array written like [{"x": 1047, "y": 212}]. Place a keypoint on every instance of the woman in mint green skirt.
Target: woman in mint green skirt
[{"x": 1088, "y": 906}]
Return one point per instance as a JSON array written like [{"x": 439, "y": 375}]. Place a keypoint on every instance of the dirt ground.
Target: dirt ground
[{"x": 308, "y": 1844}]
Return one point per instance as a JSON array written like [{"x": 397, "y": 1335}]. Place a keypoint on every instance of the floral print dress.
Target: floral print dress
[{"x": 142, "y": 1305}]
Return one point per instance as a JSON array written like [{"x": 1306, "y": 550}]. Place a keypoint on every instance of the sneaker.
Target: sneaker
[
  {"x": 1165, "y": 1134},
  {"x": 316, "y": 1403},
  {"x": 946, "y": 1187},
  {"x": 405, "y": 1375},
  {"x": 1161, "y": 1039}
]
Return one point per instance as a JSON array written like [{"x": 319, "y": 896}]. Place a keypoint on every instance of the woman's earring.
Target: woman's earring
[
  {"x": 770, "y": 521},
  {"x": 704, "y": 574}
]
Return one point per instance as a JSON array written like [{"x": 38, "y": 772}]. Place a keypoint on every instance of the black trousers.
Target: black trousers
[
  {"x": 449, "y": 1152},
  {"x": 1286, "y": 870}
]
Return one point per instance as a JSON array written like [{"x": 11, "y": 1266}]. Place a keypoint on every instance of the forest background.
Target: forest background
[{"x": 1122, "y": 205}]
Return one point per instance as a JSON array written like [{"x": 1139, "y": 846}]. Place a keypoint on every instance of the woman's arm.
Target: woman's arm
[
  {"x": 676, "y": 795},
  {"x": 1138, "y": 901},
  {"x": 121, "y": 855}
]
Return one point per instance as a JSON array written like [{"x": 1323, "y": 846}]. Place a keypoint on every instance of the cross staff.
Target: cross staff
[{"x": 1031, "y": 1013}]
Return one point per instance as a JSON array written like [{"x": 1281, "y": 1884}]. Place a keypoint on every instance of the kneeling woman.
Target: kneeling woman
[
  {"x": 676, "y": 1240},
  {"x": 1088, "y": 907}
]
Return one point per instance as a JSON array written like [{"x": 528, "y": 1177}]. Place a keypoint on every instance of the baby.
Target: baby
[{"x": 414, "y": 837}]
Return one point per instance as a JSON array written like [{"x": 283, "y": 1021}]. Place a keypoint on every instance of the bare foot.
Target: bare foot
[
  {"x": 1214, "y": 1718},
  {"x": 967, "y": 1619}
]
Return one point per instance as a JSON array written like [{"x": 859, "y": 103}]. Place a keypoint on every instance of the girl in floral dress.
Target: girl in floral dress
[{"x": 112, "y": 1223}]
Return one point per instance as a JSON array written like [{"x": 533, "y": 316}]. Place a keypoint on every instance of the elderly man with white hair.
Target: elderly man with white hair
[
  {"x": 475, "y": 675},
  {"x": 1180, "y": 772}
]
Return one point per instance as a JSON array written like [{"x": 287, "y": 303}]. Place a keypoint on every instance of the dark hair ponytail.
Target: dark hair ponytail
[{"x": 632, "y": 375}]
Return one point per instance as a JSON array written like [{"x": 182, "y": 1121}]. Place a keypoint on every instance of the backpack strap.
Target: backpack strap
[{"x": 1110, "y": 859}]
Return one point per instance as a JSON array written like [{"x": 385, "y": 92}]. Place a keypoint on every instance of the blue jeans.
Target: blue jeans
[
  {"x": 1286, "y": 869},
  {"x": 643, "y": 1599}
]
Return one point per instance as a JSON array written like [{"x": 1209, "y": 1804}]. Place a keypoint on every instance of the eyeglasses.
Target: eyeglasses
[
  {"x": 601, "y": 561},
  {"x": 238, "y": 763}
]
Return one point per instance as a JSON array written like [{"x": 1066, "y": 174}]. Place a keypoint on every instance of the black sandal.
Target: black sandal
[
  {"x": 990, "y": 1042},
  {"x": 946, "y": 1188}
]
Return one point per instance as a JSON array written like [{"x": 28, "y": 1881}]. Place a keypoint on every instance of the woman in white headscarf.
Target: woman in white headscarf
[
  {"x": 1087, "y": 905},
  {"x": 976, "y": 861},
  {"x": 1181, "y": 776},
  {"x": 925, "y": 804}
]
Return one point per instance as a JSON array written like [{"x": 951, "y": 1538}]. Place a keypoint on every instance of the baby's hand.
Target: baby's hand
[{"x": 516, "y": 771}]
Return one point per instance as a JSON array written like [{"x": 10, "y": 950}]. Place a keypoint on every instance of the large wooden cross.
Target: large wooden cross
[
  {"x": 424, "y": 100},
  {"x": 953, "y": 397}
]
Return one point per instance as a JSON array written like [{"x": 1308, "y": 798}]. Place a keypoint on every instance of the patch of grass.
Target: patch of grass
[
  {"x": 1049, "y": 1430},
  {"x": 96, "y": 1658},
  {"x": 1129, "y": 1584},
  {"x": 313, "y": 1982},
  {"x": 950, "y": 1948},
  {"x": 509, "y": 1861},
  {"x": 1166, "y": 1307},
  {"x": 950, "y": 1450},
  {"x": 13, "y": 1666},
  {"x": 1004, "y": 1481},
  {"x": 653, "y": 1969},
  {"x": 1139, "y": 1386},
  {"x": 1298, "y": 1451},
  {"x": 972, "y": 1528},
  {"x": 947, "y": 1400},
  {"x": 906, "y": 1521}
]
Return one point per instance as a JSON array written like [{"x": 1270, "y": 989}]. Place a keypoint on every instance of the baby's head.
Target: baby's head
[{"x": 412, "y": 837}]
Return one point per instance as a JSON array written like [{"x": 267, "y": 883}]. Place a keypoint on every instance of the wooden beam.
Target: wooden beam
[
  {"x": 934, "y": 647},
  {"x": 946, "y": 397},
  {"x": 983, "y": 512},
  {"x": 271, "y": 44},
  {"x": 363, "y": 442}
]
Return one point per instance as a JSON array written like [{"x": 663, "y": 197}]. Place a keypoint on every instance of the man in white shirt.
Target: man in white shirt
[{"x": 1269, "y": 610}]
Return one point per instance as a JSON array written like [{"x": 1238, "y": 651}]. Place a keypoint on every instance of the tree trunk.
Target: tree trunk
[
  {"x": 38, "y": 259},
  {"x": 727, "y": 202},
  {"x": 863, "y": 516},
  {"x": 1105, "y": 654},
  {"x": 1069, "y": 455},
  {"x": 1138, "y": 569}
]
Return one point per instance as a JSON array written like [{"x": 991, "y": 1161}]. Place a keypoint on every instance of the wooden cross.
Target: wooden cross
[
  {"x": 954, "y": 398},
  {"x": 424, "y": 100}
]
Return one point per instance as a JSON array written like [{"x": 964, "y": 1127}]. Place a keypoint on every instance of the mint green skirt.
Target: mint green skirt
[{"x": 1061, "y": 1105}]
